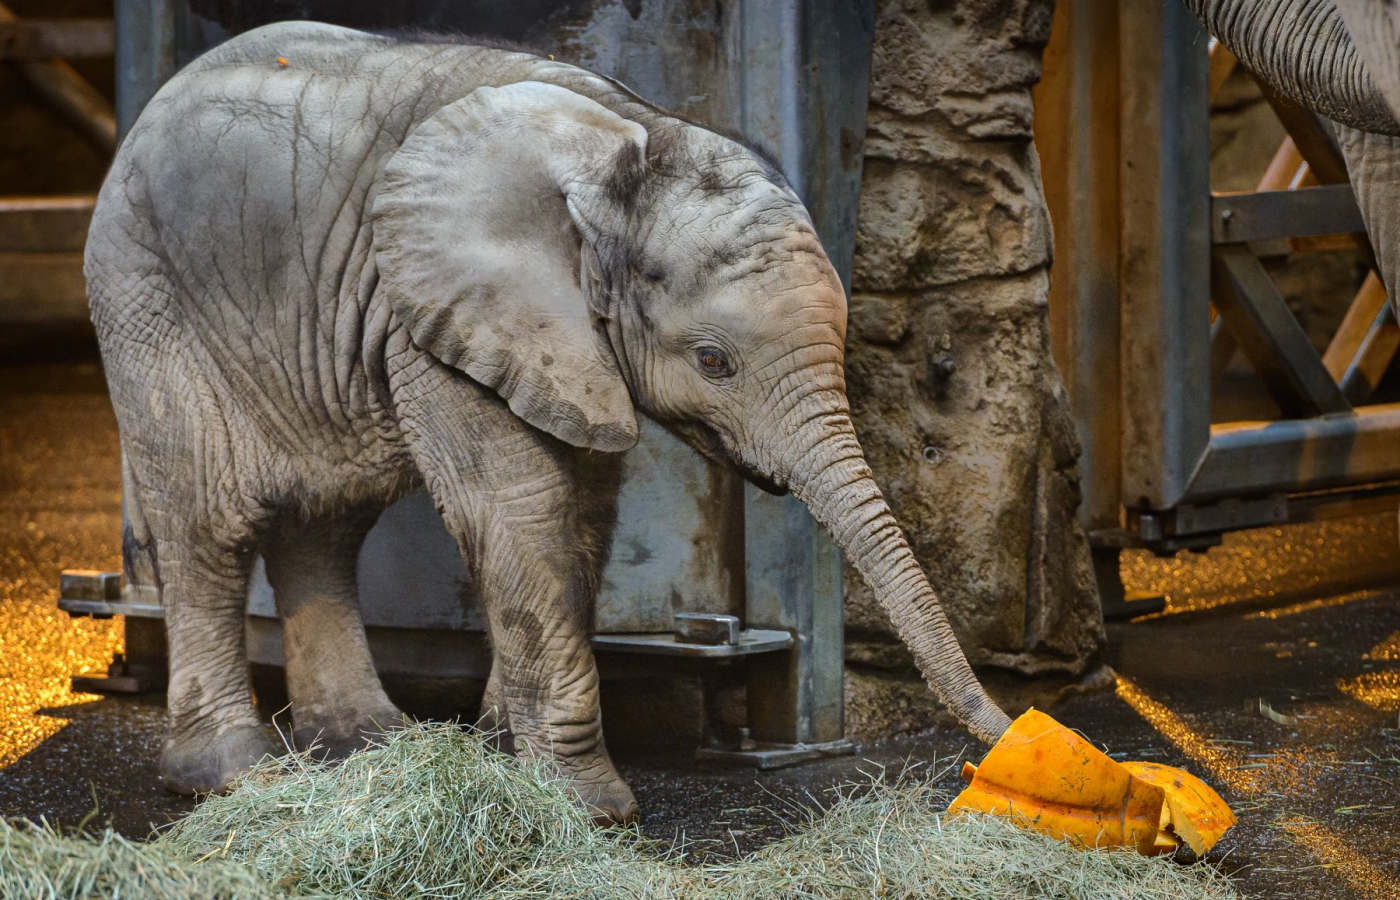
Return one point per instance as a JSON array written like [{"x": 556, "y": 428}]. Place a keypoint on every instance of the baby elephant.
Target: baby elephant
[{"x": 328, "y": 268}]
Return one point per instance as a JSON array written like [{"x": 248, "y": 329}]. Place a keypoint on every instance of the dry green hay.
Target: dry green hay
[
  {"x": 37, "y": 863},
  {"x": 435, "y": 813}
]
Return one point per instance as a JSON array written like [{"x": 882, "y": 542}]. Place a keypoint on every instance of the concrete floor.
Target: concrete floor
[{"x": 1305, "y": 618}]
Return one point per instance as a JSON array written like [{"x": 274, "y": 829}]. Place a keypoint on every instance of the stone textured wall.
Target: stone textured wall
[{"x": 958, "y": 403}]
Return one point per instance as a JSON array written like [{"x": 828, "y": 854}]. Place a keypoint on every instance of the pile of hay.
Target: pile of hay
[
  {"x": 435, "y": 813},
  {"x": 38, "y": 863}
]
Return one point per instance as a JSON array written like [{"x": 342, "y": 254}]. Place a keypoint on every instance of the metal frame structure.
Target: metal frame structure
[
  {"x": 1157, "y": 282},
  {"x": 793, "y": 77},
  {"x": 41, "y": 238}
]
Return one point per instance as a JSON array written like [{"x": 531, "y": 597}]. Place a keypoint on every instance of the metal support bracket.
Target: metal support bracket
[
  {"x": 142, "y": 668},
  {"x": 751, "y": 641},
  {"x": 1118, "y": 603},
  {"x": 726, "y": 650},
  {"x": 123, "y": 677},
  {"x": 765, "y": 756}
]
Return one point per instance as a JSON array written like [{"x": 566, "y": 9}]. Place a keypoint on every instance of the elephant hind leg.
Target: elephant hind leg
[
  {"x": 338, "y": 701},
  {"x": 214, "y": 733}
]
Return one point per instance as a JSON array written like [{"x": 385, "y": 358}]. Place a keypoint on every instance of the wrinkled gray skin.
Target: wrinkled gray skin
[
  {"x": 389, "y": 265},
  {"x": 1342, "y": 61}
]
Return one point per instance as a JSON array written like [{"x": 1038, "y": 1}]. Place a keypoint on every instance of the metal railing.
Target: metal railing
[{"x": 1157, "y": 283}]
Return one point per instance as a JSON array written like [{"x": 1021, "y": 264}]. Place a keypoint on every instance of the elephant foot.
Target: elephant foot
[
  {"x": 329, "y": 738},
  {"x": 609, "y": 804},
  {"x": 603, "y": 793},
  {"x": 209, "y": 762}
]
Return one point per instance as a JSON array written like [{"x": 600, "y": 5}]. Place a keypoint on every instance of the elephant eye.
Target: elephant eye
[{"x": 713, "y": 361}]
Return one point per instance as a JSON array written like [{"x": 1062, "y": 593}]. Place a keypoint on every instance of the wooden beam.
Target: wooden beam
[
  {"x": 70, "y": 95},
  {"x": 1076, "y": 135},
  {"x": 1222, "y": 64},
  {"x": 1284, "y": 169},
  {"x": 42, "y": 289},
  {"x": 1365, "y": 343},
  {"x": 30, "y": 40},
  {"x": 45, "y": 224}
]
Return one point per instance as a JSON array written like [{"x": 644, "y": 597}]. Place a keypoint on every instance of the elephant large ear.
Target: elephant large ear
[{"x": 478, "y": 231}]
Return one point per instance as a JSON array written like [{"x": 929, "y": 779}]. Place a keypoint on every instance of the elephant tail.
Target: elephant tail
[{"x": 138, "y": 551}]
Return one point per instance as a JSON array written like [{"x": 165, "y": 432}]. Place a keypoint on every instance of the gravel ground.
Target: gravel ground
[{"x": 1303, "y": 618}]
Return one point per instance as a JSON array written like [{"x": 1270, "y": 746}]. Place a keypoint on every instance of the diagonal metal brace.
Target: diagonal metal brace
[{"x": 1271, "y": 337}]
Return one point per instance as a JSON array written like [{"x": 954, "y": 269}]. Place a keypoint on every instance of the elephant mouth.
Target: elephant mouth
[
  {"x": 759, "y": 479},
  {"x": 709, "y": 444}
]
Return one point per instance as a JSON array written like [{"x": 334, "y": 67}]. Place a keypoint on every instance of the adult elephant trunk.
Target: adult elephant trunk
[
  {"x": 831, "y": 477},
  {"x": 1302, "y": 48}
]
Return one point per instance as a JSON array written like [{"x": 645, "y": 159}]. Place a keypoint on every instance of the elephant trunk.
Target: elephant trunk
[
  {"x": 832, "y": 478},
  {"x": 1302, "y": 49}
]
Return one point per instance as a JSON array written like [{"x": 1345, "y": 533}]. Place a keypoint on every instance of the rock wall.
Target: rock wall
[{"x": 958, "y": 403}]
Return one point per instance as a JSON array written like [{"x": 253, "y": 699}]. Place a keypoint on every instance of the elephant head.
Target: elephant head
[{"x": 588, "y": 267}]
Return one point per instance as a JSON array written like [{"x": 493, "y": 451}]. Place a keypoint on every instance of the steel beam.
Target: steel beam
[
  {"x": 1164, "y": 228},
  {"x": 1076, "y": 135},
  {"x": 802, "y": 88},
  {"x": 1295, "y": 455},
  {"x": 1269, "y": 215},
  {"x": 42, "y": 289},
  {"x": 148, "y": 37},
  {"x": 803, "y": 76},
  {"x": 45, "y": 224}
]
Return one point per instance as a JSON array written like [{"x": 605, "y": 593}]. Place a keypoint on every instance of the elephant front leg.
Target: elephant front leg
[
  {"x": 338, "y": 702},
  {"x": 539, "y": 606},
  {"x": 533, "y": 518},
  {"x": 493, "y": 719}
]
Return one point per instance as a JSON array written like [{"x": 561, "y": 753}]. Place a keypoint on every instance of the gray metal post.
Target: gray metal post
[
  {"x": 146, "y": 56},
  {"x": 803, "y": 84},
  {"x": 1164, "y": 180},
  {"x": 148, "y": 35}
]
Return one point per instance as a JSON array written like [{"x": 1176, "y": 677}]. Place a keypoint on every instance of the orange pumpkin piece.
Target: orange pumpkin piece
[
  {"x": 1048, "y": 778},
  {"x": 1193, "y": 812}
]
